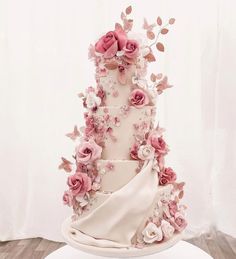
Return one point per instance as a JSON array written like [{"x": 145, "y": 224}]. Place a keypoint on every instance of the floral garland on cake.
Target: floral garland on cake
[
  {"x": 116, "y": 51},
  {"x": 162, "y": 225}
]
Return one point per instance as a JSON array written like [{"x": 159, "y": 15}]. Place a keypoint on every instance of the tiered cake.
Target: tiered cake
[{"x": 124, "y": 198}]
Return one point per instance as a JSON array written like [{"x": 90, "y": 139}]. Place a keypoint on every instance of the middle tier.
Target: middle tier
[{"x": 124, "y": 125}]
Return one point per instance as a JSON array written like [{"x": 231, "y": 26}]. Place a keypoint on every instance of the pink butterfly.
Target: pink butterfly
[
  {"x": 162, "y": 85},
  {"x": 73, "y": 135},
  {"x": 66, "y": 165},
  {"x": 148, "y": 27},
  {"x": 178, "y": 186},
  {"x": 159, "y": 130}
]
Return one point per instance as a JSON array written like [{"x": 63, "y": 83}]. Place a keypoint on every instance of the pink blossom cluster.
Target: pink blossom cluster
[
  {"x": 176, "y": 216},
  {"x": 93, "y": 98},
  {"x": 154, "y": 146},
  {"x": 85, "y": 180},
  {"x": 162, "y": 226}
]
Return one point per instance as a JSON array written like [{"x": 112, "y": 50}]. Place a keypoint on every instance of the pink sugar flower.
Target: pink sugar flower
[
  {"x": 134, "y": 152},
  {"x": 111, "y": 42},
  {"x": 79, "y": 184},
  {"x": 88, "y": 151},
  {"x": 101, "y": 94},
  {"x": 131, "y": 49},
  {"x": 138, "y": 98},
  {"x": 68, "y": 198},
  {"x": 178, "y": 222},
  {"x": 158, "y": 143},
  {"x": 167, "y": 176},
  {"x": 173, "y": 208}
]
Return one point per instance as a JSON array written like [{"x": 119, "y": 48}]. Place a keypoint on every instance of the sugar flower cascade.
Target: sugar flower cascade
[{"x": 123, "y": 195}]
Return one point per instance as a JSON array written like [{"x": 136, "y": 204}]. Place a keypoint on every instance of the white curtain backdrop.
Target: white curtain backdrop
[{"x": 43, "y": 65}]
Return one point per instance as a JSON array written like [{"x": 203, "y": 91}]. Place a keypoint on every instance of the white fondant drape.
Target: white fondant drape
[
  {"x": 43, "y": 65},
  {"x": 118, "y": 218}
]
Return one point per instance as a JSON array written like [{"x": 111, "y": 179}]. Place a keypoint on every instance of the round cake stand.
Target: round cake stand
[{"x": 182, "y": 249}]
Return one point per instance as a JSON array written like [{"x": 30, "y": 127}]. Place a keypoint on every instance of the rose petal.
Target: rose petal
[{"x": 111, "y": 52}]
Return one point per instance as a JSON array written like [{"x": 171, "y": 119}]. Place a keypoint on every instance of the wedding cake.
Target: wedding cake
[{"x": 125, "y": 199}]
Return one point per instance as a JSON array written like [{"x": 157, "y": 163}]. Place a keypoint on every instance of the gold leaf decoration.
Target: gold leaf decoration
[
  {"x": 159, "y": 20},
  {"x": 164, "y": 31},
  {"x": 172, "y": 21},
  {"x": 181, "y": 194},
  {"x": 150, "y": 57},
  {"x": 153, "y": 77},
  {"x": 150, "y": 35},
  {"x": 128, "y": 10},
  {"x": 160, "y": 46}
]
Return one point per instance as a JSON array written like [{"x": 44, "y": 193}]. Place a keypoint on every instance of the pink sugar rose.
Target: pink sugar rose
[
  {"x": 178, "y": 222},
  {"x": 68, "y": 198},
  {"x": 111, "y": 42},
  {"x": 138, "y": 98},
  {"x": 173, "y": 208},
  {"x": 88, "y": 151},
  {"x": 79, "y": 184},
  {"x": 158, "y": 143},
  {"x": 167, "y": 176},
  {"x": 131, "y": 49}
]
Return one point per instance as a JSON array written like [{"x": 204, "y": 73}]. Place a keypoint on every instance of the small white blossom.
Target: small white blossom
[
  {"x": 146, "y": 152},
  {"x": 92, "y": 100},
  {"x": 152, "y": 233}
]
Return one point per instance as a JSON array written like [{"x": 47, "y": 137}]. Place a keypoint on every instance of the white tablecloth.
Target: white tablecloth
[{"x": 182, "y": 250}]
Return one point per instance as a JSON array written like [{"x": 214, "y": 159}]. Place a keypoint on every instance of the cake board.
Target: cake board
[{"x": 182, "y": 249}]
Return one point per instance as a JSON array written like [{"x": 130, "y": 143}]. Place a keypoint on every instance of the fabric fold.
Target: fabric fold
[{"x": 115, "y": 222}]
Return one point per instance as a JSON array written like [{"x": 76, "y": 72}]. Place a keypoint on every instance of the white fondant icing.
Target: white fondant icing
[
  {"x": 109, "y": 251},
  {"x": 116, "y": 93},
  {"x": 118, "y": 218},
  {"x": 122, "y": 172},
  {"x": 124, "y": 133}
]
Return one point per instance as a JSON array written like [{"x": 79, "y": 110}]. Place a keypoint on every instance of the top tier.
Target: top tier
[
  {"x": 121, "y": 66},
  {"x": 118, "y": 83},
  {"x": 121, "y": 60}
]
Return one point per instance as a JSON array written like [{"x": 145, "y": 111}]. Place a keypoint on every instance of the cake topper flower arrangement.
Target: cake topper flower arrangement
[{"x": 119, "y": 51}]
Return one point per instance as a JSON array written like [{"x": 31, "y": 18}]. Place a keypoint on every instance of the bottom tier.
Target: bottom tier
[
  {"x": 139, "y": 215},
  {"x": 115, "y": 252}
]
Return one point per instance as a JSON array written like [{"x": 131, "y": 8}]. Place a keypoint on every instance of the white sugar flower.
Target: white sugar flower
[
  {"x": 146, "y": 152},
  {"x": 167, "y": 229},
  {"x": 92, "y": 100},
  {"x": 141, "y": 82},
  {"x": 152, "y": 233},
  {"x": 83, "y": 201}
]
